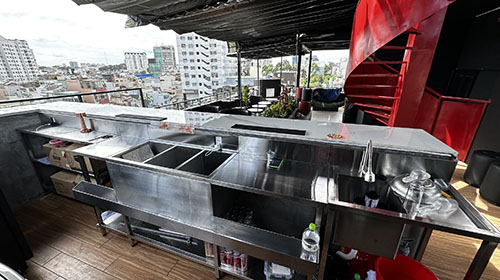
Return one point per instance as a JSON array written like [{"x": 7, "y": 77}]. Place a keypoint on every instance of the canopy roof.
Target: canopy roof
[{"x": 263, "y": 28}]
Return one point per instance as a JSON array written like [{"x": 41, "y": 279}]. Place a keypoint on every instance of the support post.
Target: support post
[
  {"x": 239, "y": 75},
  {"x": 298, "y": 52},
  {"x": 281, "y": 68},
  {"x": 423, "y": 244},
  {"x": 100, "y": 223},
  {"x": 327, "y": 239},
  {"x": 83, "y": 166},
  {"x": 128, "y": 229},
  {"x": 480, "y": 260},
  {"x": 218, "y": 273},
  {"x": 309, "y": 71},
  {"x": 143, "y": 102},
  {"x": 258, "y": 76}
]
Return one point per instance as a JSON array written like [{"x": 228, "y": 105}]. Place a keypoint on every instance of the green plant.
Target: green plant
[
  {"x": 281, "y": 109},
  {"x": 245, "y": 98}
]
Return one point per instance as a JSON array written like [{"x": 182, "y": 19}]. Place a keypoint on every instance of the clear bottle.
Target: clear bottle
[{"x": 310, "y": 243}]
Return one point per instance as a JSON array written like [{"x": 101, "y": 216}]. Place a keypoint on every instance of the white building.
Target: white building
[
  {"x": 17, "y": 61},
  {"x": 136, "y": 61},
  {"x": 203, "y": 64}
]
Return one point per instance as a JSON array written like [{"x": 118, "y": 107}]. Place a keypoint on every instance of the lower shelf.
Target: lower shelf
[
  {"x": 256, "y": 271},
  {"x": 156, "y": 241}
]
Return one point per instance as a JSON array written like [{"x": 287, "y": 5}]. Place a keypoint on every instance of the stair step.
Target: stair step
[
  {"x": 374, "y": 75},
  {"x": 384, "y": 121},
  {"x": 396, "y": 48},
  {"x": 383, "y": 62},
  {"x": 370, "y": 86},
  {"x": 412, "y": 31},
  {"x": 373, "y": 106},
  {"x": 378, "y": 115},
  {"x": 368, "y": 96}
]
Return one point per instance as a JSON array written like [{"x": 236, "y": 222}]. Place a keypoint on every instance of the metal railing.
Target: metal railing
[
  {"x": 200, "y": 101},
  {"x": 130, "y": 97},
  {"x": 123, "y": 98}
]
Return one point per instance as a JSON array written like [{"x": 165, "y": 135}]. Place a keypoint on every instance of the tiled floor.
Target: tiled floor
[{"x": 67, "y": 245}]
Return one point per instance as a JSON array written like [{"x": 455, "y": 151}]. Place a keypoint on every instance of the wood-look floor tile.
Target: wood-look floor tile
[
  {"x": 42, "y": 253},
  {"x": 131, "y": 269},
  {"x": 73, "y": 269},
  {"x": 97, "y": 257},
  {"x": 66, "y": 224},
  {"x": 188, "y": 270},
  {"x": 154, "y": 258},
  {"x": 38, "y": 272}
]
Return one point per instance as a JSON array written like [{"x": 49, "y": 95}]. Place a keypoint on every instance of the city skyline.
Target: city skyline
[{"x": 63, "y": 32}]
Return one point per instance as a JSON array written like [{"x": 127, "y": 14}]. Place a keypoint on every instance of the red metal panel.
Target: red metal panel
[
  {"x": 376, "y": 23},
  {"x": 429, "y": 107},
  {"x": 415, "y": 78},
  {"x": 456, "y": 124}
]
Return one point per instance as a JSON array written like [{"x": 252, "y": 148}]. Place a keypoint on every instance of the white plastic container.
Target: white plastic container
[{"x": 310, "y": 244}]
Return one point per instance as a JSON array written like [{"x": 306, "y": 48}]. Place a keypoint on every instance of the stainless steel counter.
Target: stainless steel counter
[
  {"x": 198, "y": 165},
  {"x": 384, "y": 138}
]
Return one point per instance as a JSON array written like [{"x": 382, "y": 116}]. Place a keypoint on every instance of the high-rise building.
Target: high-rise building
[
  {"x": 203, "y": 64},
  {"x": 165, "y": 57},
  {"x": 17, "y": 61},
  {"x": 73, "y": 64},
  {"x": 136, "y": 61}
]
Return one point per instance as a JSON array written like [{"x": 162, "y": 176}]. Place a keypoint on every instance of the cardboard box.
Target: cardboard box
[
  {"x": 64, "y": 157},
  {"x": 57, "y": 156},
  {"x": 65, "y": 181}
]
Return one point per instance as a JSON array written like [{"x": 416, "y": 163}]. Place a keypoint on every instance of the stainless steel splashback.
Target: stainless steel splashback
[
  {"x": 175, "y": 197},
  {"x": 345, "y": 160}
]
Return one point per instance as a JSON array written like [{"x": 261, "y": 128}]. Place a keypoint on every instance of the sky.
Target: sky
[{"x": 60, "y": 31}]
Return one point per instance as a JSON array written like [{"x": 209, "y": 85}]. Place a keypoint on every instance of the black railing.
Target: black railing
[
  {"x": 181, "y": 105},
  {"x": 191, "y": 103},
  {"x": 78, "y": 96}
]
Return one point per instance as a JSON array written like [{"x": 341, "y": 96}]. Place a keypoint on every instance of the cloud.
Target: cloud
[{"x": 59, "y": 31}]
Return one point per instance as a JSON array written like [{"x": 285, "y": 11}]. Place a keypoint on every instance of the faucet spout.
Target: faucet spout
[{"x": 366, "y": 165}]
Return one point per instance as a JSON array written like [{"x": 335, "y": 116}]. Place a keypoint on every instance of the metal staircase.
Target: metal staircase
[
  {"x": 391, "y": 51},
  {"x": 376, "y": 81}
]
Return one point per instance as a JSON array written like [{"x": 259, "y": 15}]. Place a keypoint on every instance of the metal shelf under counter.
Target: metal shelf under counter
[
  {"x": 119, "y": 227},
  {"x": 255, "y": 242}
]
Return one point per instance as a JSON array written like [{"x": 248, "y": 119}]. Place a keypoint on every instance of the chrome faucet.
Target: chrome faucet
[{"x": 366, "y": 165}]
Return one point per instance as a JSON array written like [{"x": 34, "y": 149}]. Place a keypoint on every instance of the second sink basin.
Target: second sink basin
[
  {"x": 173, "y": 157},
  {"x": 205, "y": 163}
]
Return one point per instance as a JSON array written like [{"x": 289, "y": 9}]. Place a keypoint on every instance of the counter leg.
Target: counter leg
[
  {"x": 481, "y": 260},
  {"x": 100, "y": 223},
  {"x": 128, "y": 229},
  {"x": 423, "y": 244},
  {"x": 218, "y": 273},
  {"x": 327, "y": 239},
  {"x": 83, "y": 165}
]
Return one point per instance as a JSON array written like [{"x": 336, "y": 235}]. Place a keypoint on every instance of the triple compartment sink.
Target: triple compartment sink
[{"x": 199, "y": 160}]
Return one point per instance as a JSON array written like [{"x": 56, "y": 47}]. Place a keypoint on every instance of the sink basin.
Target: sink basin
[
  {"x": 353, "y": 190},
  {"x": 173, "y": 157},
  {"x": 205, "y": 163},
  {"x": 145, "y": 151},
  {"x": 202, "y": 140},
  {"x": 228, "y": 142}
]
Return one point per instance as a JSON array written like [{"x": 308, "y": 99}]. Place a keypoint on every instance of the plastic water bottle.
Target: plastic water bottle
[{"x": 310, "y": 244}]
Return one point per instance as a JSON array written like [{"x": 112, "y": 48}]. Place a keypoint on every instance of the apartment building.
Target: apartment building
[
  {"x": 164, "y": 55},
  {"x": 136, "y": 61},
  {"x": 203, "y": 64},
  {"x": 17, "y": 61}
]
